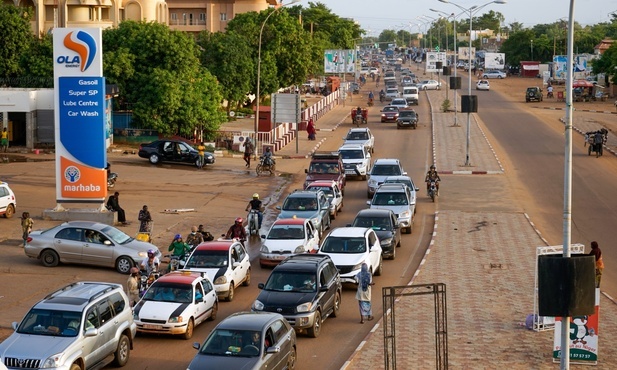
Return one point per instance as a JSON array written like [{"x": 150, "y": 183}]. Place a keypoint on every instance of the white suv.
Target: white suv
[
  {"x": 356, "y": 160},
  {"x": 76, "y": 327},
  {"x": 8, "y": 204},
  {"x": 382, "y": 168}
]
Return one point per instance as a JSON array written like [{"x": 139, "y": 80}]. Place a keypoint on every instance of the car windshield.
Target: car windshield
[
  {"x": 329, "y": 168},
  {"x": 326, "y": 190},
  {"x": 386, "y": 170},
  {"x": 390, "y": 199},
  {"x": 286, "y": 232},
  {"x": 116, "y": 235},
  {"x": 208, "y": 259},
  {"x": 300, "y": 204},
  {"x": 285, "y": 281},
  {"x": 390, "y": 109},
  {"x": 352, "y": 154},
  {"x": 401, "y": 181},
  {"x": 53, "y": 323},
  {"x": 375, "y": 223},
  {"x": 407, "y": 114},
  {"x": 223, "y": 342},
  {"x": 169, "y": 292},
  {"x": 343, "y": 245},
  {"x": 357, "y": 136}
]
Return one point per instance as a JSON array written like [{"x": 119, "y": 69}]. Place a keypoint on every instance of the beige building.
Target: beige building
[{"x": 183, "y": 15}]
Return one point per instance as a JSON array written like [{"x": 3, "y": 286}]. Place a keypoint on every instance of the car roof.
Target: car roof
[
  {"x": 398, "y": 177},
  {"x": 75, "y": 296},
  {"x": 393, "y": 187},
  {"x": 89, "y": 224},
  {"x": 180, "y": 277},
  {"x": 248, "y": 320},
  {"x": 359, "y": 129},
  {"x": 216, "y": 245},
  {"x": 290, "y": 221},
  {"x": 303, "y": 194},
  {"x": 348, "y": 231},
  {"x": 386, "y": 161},
  {"x": 302, "y": 262},
  {"x": 374, "y": 212},
  {"x": 351, "y": 147}
]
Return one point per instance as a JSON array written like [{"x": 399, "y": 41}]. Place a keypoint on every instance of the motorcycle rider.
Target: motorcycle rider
[
  {"x": 206, "y": 235},
  {"x": 256, "y": 204},
  {"x": 236, "y": 231},
  {"x": 178, "y": 248},
  {"x": 432, "y": 175},
  {"x": 194, "y": 238},
  {"x": 371, "y": 96},
  {"x": 268, "y": 160},
  {"x": 382, "y": 95},
  {"x": 151, "y": 263}
]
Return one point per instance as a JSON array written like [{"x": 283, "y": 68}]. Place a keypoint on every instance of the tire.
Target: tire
[
  {"x": 154, "y": 158},
  {"x": 363, "y": 177},
  {"x": 10, "y": 211},
  {"x": 230, "y": 294},
  {"x": 408, "y": 230},
  {"x": 485, "y": 76},
  {"x": 398, "y": 245},
  {"x": 291, "y": 359},
  {"x": 368, "y": 195},
  {"x": 214, "y": 312},
  {"x": 589, "y": 150},
  {"x": 393, "y": 256},
  {"x": 124, "y": 264},
  {"x": 247, "y": 281},
  {"x": 315, "y": 330},
  {"x": 75, "y": 367},
  {"x": 188, "y": 334},
  {"x": 123, "y": 351},
  {"x": 258, "y": 169},
  {"x": 50, "y": 258},
  {"x": 379, "y": 270},
  {"x": 336, "y": 310},
  {"x": 333, "y": 216}
]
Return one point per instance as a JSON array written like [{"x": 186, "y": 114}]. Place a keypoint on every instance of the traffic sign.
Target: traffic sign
[{"x": 437, "y": 48}]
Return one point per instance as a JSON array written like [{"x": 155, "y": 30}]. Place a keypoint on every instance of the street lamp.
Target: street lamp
[
  {"x": 531, "y": 50},
  {"x": 453, "y": 16},
  {"x": 259, "y": 71},
  {"x": 471, "y": 11},
  {"x": 433, "y": 21}
]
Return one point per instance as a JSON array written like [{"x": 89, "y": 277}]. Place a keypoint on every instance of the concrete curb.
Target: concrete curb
[{"x": 580, "y": 110}]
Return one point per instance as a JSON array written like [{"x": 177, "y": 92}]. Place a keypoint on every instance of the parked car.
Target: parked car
[
  {"x": 360, "y": 136},
  {"x": 82, "y": 325},
  {"x": 175, "y": 303},
  {"x": 313, "y": 205},
  {"x": 533, "y": 93},
  {"x": 286, "y": 238},
  {"x": 8, "y": 203},
  {"x": 356, "y": 160},
  {"x": 400, "y": 103},
  {"x": 349, "y": 247},
  {"x": 483, "y": 85},
  {"x": 389, "y": 113},
  {"x": 429, "y": 85},
  {"x": 172, "y": 150},
  {"x": 397, "y": 198},
  {"x": 69, "y": 243},
  {"x": 226, "y": 261},
  {"x": 383, "y": 221},
  {"x": 248, "y": 341},
  {"x": 382, "y": 168},
  {"x": 333, "y": 193},
  {"x": 407, "y": 118},
  {"x": 306, "y": 289},
  {"x": 494, "y": 74}
]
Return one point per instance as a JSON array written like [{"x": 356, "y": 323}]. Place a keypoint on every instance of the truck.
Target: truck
[
  {"x": 410, "y": 93},
  {"x": 326, "y": 165}
]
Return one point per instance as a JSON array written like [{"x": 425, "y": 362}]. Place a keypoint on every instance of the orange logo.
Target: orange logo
[{"x": 79, "y": 181}]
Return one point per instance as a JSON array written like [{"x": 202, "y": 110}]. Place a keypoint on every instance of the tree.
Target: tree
[
  {"x": 37, "y": 63},
  {"x": 15, "y": 38},
  {"x": 517, "y": 46}
]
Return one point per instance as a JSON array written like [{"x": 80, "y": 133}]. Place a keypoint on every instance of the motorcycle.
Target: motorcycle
[
  {"x": 264, "y": 166},
  {"x": 432, "y": 189},
  {"x": 147, "y": 279},
  {"x": 370, "y": 102},
  {"x": 253, "y": 222},
  {"x": 177, "y": 262},
  {"x": 111, "y": 180},
  {"x": 382, "y": 98}
]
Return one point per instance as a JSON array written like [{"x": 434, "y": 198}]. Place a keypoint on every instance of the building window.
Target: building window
[
  {"x": 223, "y": 17},
  {"x": 174, "y": 16},
  {"x": 202, "y": 17}
]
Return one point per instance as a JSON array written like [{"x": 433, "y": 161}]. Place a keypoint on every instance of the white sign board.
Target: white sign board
[
  {"x": 340, "y": 61},
  {"x": 494, "y": 60},
  {"x": 286, "y": 108},
  {"x": 431, "y": 61},
  {"x": 463, "y": 53}
]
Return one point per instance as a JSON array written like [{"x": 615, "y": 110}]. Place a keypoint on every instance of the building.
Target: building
[{"x": 603, "y": 46}]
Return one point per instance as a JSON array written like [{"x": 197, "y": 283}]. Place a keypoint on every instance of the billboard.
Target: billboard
[
  {"x": 339, "y": 61},
  {"x": 579, "y": 68},
  {"x": 494, "y": 60},
  {"x": 80, "y": 111},
  {"x": 463, "y": 53},
  {"x": 431, "y": 61}
]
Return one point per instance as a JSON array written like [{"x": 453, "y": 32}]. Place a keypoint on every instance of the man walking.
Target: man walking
[
  {"x": 113, "y": 204},
  {"x": 248, "y": 151}
]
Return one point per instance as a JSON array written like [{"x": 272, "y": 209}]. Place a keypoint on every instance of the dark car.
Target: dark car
[
  {"x": 389, "y": 114},
  {"x": 533, "y": 94},
  {"x": 326, "y": 166},
  {"x": 172, "y": 150},
  {"x": 248, "y": 341},
  {"x": 383, "y": 221},
  {"x": 407, "y": 118},
  {"x": 305, "y": 289}
]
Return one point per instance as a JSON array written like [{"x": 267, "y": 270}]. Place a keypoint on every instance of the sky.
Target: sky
[{"x": 377, "y": 15}]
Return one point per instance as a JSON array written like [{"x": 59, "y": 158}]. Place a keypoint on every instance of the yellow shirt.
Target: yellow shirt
[
  {"x": 5, "y": 135},
  {"x": 201, "y": 149}
]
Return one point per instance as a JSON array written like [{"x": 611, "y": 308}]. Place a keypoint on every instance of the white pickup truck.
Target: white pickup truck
[{"x": 410, "y": 93}]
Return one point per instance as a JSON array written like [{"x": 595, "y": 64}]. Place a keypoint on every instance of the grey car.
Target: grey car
[
  {"x": 313, "y": 205},
  {"x": 383, "y": 168},
  {"x": 397, "y": 198},
  {"x": 248, "y": 341},
  {"x": 88, "y": 243}
]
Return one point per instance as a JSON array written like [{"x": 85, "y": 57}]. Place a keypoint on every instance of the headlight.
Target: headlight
[
  {"x": 372, "y": 183},
  {"x": 142, "y": 254},
  {"x": 209, "y": 156},
  {"x": 383, "y": 114},
  {"x": 385, "y": 241},
  {"x": 52, "y": 361},
  {"x": 175, "y": 319},
  {"x": 316, "y": 221},
  {"x": 264, "y": 249},
  {"x": 257, "y": 306},
  {"x": 299, "y": 249},
  {"x": 358, "y": 266},
  {"x": 405, "y": 214},
  {"x": 220, "y": 280},
  {"x": 304, "y": 307}
]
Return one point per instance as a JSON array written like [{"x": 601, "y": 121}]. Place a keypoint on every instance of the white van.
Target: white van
[{"x": 410, "y": 93}]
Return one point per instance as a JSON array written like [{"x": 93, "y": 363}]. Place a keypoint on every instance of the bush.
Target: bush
[{"x": 445, "y": 106}]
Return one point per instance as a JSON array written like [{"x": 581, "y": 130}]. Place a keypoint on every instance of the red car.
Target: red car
[{"x": 389, "y": 114}]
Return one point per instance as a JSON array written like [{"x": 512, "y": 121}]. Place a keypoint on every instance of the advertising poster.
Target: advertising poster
[
  {"x": 584, "y": 337},
  {"x": 494, "y": 61},
  {"x": 431, "y": 61},
  {"x": 463, "y": 53},
  {"x": 80, "y": 116},
  {"x": 560, "y": 67},
  {"x": 339, "y": 61}
]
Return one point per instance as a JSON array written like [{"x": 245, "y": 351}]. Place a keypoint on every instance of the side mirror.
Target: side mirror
[
  {"x": 404, "y": 173},
  {"x": 306, "y": 170},
  {"x": 196, "y": 345},
  {"x": 263, "y": 236},
  {"x": 261, "y": 285},
  {"x": 417, "y": 189},
  {"x": 278, "y": 207},
  {"x": 107, "y": 242},
  {"x": 368, "y": 202},
  {"x": 236, "y": 264},
  {"x": 348, "y": 225}
]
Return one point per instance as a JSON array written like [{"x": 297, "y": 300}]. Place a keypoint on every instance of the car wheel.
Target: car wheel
[
  {"x": 10, "y": 211},
  {"x": 75, "y": 367},
  {"x": 314, "y": 330},
  {"x": 363, "y": 177},
  {"x": 50, "y": 258},
  {"x": 214, "y": 312},
  {"x": 379, "y": 269},
  {"x": 230, "y": 294},
  {"x": 393, "y": 256},
  {"x": 337, "y": 305},
  {"x": 291, "y": 359},
  {"x": 333, "y": 215},
  {"x": 154, "y": 158},
  {"x": 124, "y": 264},
  {"x": 247, "y": 280},
  {"x": 398, "y": 245},
  {"x": 409, "y": 230},
  {"x": 188, "y": 334},
  {"x": 368, "y": 195},
  {"x": 121, "y": 356}
]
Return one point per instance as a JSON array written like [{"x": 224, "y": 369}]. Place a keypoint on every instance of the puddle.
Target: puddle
[{"x": 22, "y": 158}]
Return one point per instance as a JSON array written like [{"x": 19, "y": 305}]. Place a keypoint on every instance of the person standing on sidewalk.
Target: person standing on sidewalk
[
  {"x": 26, "y": 226},
  {"x": 310, "y": 129},
  {"x": 595, "y": 251},
  {"x": 4, "y": 139},
  {"x": 363, "y": 294},
  {"x": 248, "y": 152}
]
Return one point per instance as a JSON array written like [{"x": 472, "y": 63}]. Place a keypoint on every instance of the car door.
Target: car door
[
  {"x": 239, "y": 255},
  {"x": 312, "y": 236},
  {"x": 325, "y": 279},
  {"x": 374, "y": 248},
  {"x": 185, "y": 152},
  {"x": 324, "y": 211},
  {"x": 337, "y": 197},
  {"x": 209, "y": 295},
  {"x": 280, "y": 336},
  {"x": 69, "y": 244},
  {"x": 200, "y": 305},
  {"x": 4, "y": 199},
  {"x": 93, "y": 347},
  {"x": 95, "y": 252},
  {"x": 167, "y": 150}
]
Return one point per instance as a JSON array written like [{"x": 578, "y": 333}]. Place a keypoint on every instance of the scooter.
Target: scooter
[
  {"x": 253, "y": 222},
  {"x": 432, "y": 190},
  {"x": 111, "y": 180}
]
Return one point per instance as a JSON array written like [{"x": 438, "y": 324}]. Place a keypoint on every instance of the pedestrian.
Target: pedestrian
[
  {"x": 595, "y": 251},
  {"x": 201, "y": 154},
  {"x": 310, "y": 129},
  {"x": 113, "y": 204},
  {"x": 4, "y": 140},
  {"x": 249, "y": 149},
  {"x": 363, "y": 295},
  {"x": 132, "y": 286},
  {"x": 26, "y": 226},
  {"x": 208, "y": 237},
  {"x": 145, "y": 220}
]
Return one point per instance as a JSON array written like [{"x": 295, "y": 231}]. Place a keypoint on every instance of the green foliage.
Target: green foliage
[
  {"x": 445, "y": 106},
  {"x": 37, "y": 63},
  {"x": 15, "y": 38},
  {"x": 518, "y": 47}
]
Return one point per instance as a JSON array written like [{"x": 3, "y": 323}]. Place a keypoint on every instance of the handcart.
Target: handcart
[
  {"x": 357, "y": 119},
  {"x": 145, "y": 231},
  {"x": 596, "y": 141}
]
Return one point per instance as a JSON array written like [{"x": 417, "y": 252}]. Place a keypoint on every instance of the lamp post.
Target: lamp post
[
  {"x": 471, "y": 11},
  {"x": 433, "y": 21},
  {"x": 531, "y": 50},
  {"x": 453, "y": 16},
  {"x": 259, "y": 71}
]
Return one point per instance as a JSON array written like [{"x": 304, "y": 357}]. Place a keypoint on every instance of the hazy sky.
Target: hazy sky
[{"x": 377, "y": 15}]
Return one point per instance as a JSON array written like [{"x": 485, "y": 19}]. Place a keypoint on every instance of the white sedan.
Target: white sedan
[
  {"x": 429, "y": 85},
  {"x": 287, "y": 237},
  {"x": 483, "y": 85}
]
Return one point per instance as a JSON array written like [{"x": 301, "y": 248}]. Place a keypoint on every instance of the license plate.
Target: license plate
[
  {"x": 280, "y": 258},
  {"x": 152, "y": 327},
  {"x": 350, "y": 172}
]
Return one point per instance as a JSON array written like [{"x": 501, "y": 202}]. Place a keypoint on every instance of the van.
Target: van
[{"x": 410, "y": 93}]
